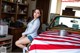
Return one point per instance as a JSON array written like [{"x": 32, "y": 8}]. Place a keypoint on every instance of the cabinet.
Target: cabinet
[
  {"x": 13, "y": 8},
  {"x": 6, "y": 42},
  {"x": 17, "y": 33},
  {"x": 43, "y": 4}
]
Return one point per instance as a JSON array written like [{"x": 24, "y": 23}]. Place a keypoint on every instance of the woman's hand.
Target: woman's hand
[{"x": 23, "y": 36}]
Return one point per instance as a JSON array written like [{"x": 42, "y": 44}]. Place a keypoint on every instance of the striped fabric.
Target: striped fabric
[{"x": 51, "y": 42}]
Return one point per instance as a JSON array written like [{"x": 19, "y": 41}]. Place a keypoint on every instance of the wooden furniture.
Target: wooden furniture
[
  {"x": 17, "y": 33},
  {"x": 43, "y": 4},
  {"x": 7, "y": 42},
  {"x": 13, "y": 8}
]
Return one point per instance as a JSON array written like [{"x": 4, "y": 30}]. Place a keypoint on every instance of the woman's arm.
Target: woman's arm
[{"x": 34, "y": 27}]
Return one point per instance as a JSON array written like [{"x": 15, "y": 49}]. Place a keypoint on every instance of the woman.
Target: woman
[{"x": 31, "y": 31}]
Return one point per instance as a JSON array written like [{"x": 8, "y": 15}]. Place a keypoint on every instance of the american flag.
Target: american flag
[{"x": 52, "y": 42}]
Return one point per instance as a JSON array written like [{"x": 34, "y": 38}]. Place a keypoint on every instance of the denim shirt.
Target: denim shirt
[{"x": 32, "y": 28}]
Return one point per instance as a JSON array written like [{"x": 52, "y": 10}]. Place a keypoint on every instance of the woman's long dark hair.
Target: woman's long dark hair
[{"x": 40, "y": 18}]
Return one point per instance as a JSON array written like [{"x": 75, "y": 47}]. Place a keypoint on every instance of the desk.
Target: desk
[{"x": 51, "y": 42}]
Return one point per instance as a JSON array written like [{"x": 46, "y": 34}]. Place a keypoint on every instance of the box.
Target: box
[{"x": 3, "y": 30}]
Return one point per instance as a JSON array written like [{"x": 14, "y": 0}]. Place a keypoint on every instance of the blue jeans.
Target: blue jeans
[{"x": 30, "y": 38}]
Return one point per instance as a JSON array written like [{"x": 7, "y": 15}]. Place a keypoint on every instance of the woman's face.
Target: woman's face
[{"x": 36, "y": 13}]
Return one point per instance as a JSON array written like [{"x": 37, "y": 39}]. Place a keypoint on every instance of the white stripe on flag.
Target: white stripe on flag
[{"x": 48, "y": 42}]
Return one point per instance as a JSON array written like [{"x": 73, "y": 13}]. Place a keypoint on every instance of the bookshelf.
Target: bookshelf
[
  {"x": 13, "y": 8},
  {"x": 18, "y": 9}
]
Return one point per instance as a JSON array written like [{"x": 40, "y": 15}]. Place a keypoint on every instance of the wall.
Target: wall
[
  {"x": 55, "y": 7},
  {"x": 32, "y": 6},
  {"x": 58, "y": 7},
  {"x": 74, "y": 4}
]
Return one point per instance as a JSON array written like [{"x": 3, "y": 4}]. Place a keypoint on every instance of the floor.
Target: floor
[{"x": 17, "y": 50}]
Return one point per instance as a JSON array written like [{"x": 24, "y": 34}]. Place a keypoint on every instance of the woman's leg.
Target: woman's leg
[{"x": 22, "y": 42}]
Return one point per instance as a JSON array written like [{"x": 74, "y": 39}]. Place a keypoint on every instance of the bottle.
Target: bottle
[
  {"x": 62, "y": 31},
  {"x": 20, "y": 1},
  {"x": 11, "y": 0},
  {"x": 5, "y": 8}
]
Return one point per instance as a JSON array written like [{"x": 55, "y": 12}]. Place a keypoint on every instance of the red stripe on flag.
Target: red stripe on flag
[{"x": 51, "y": 46}]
